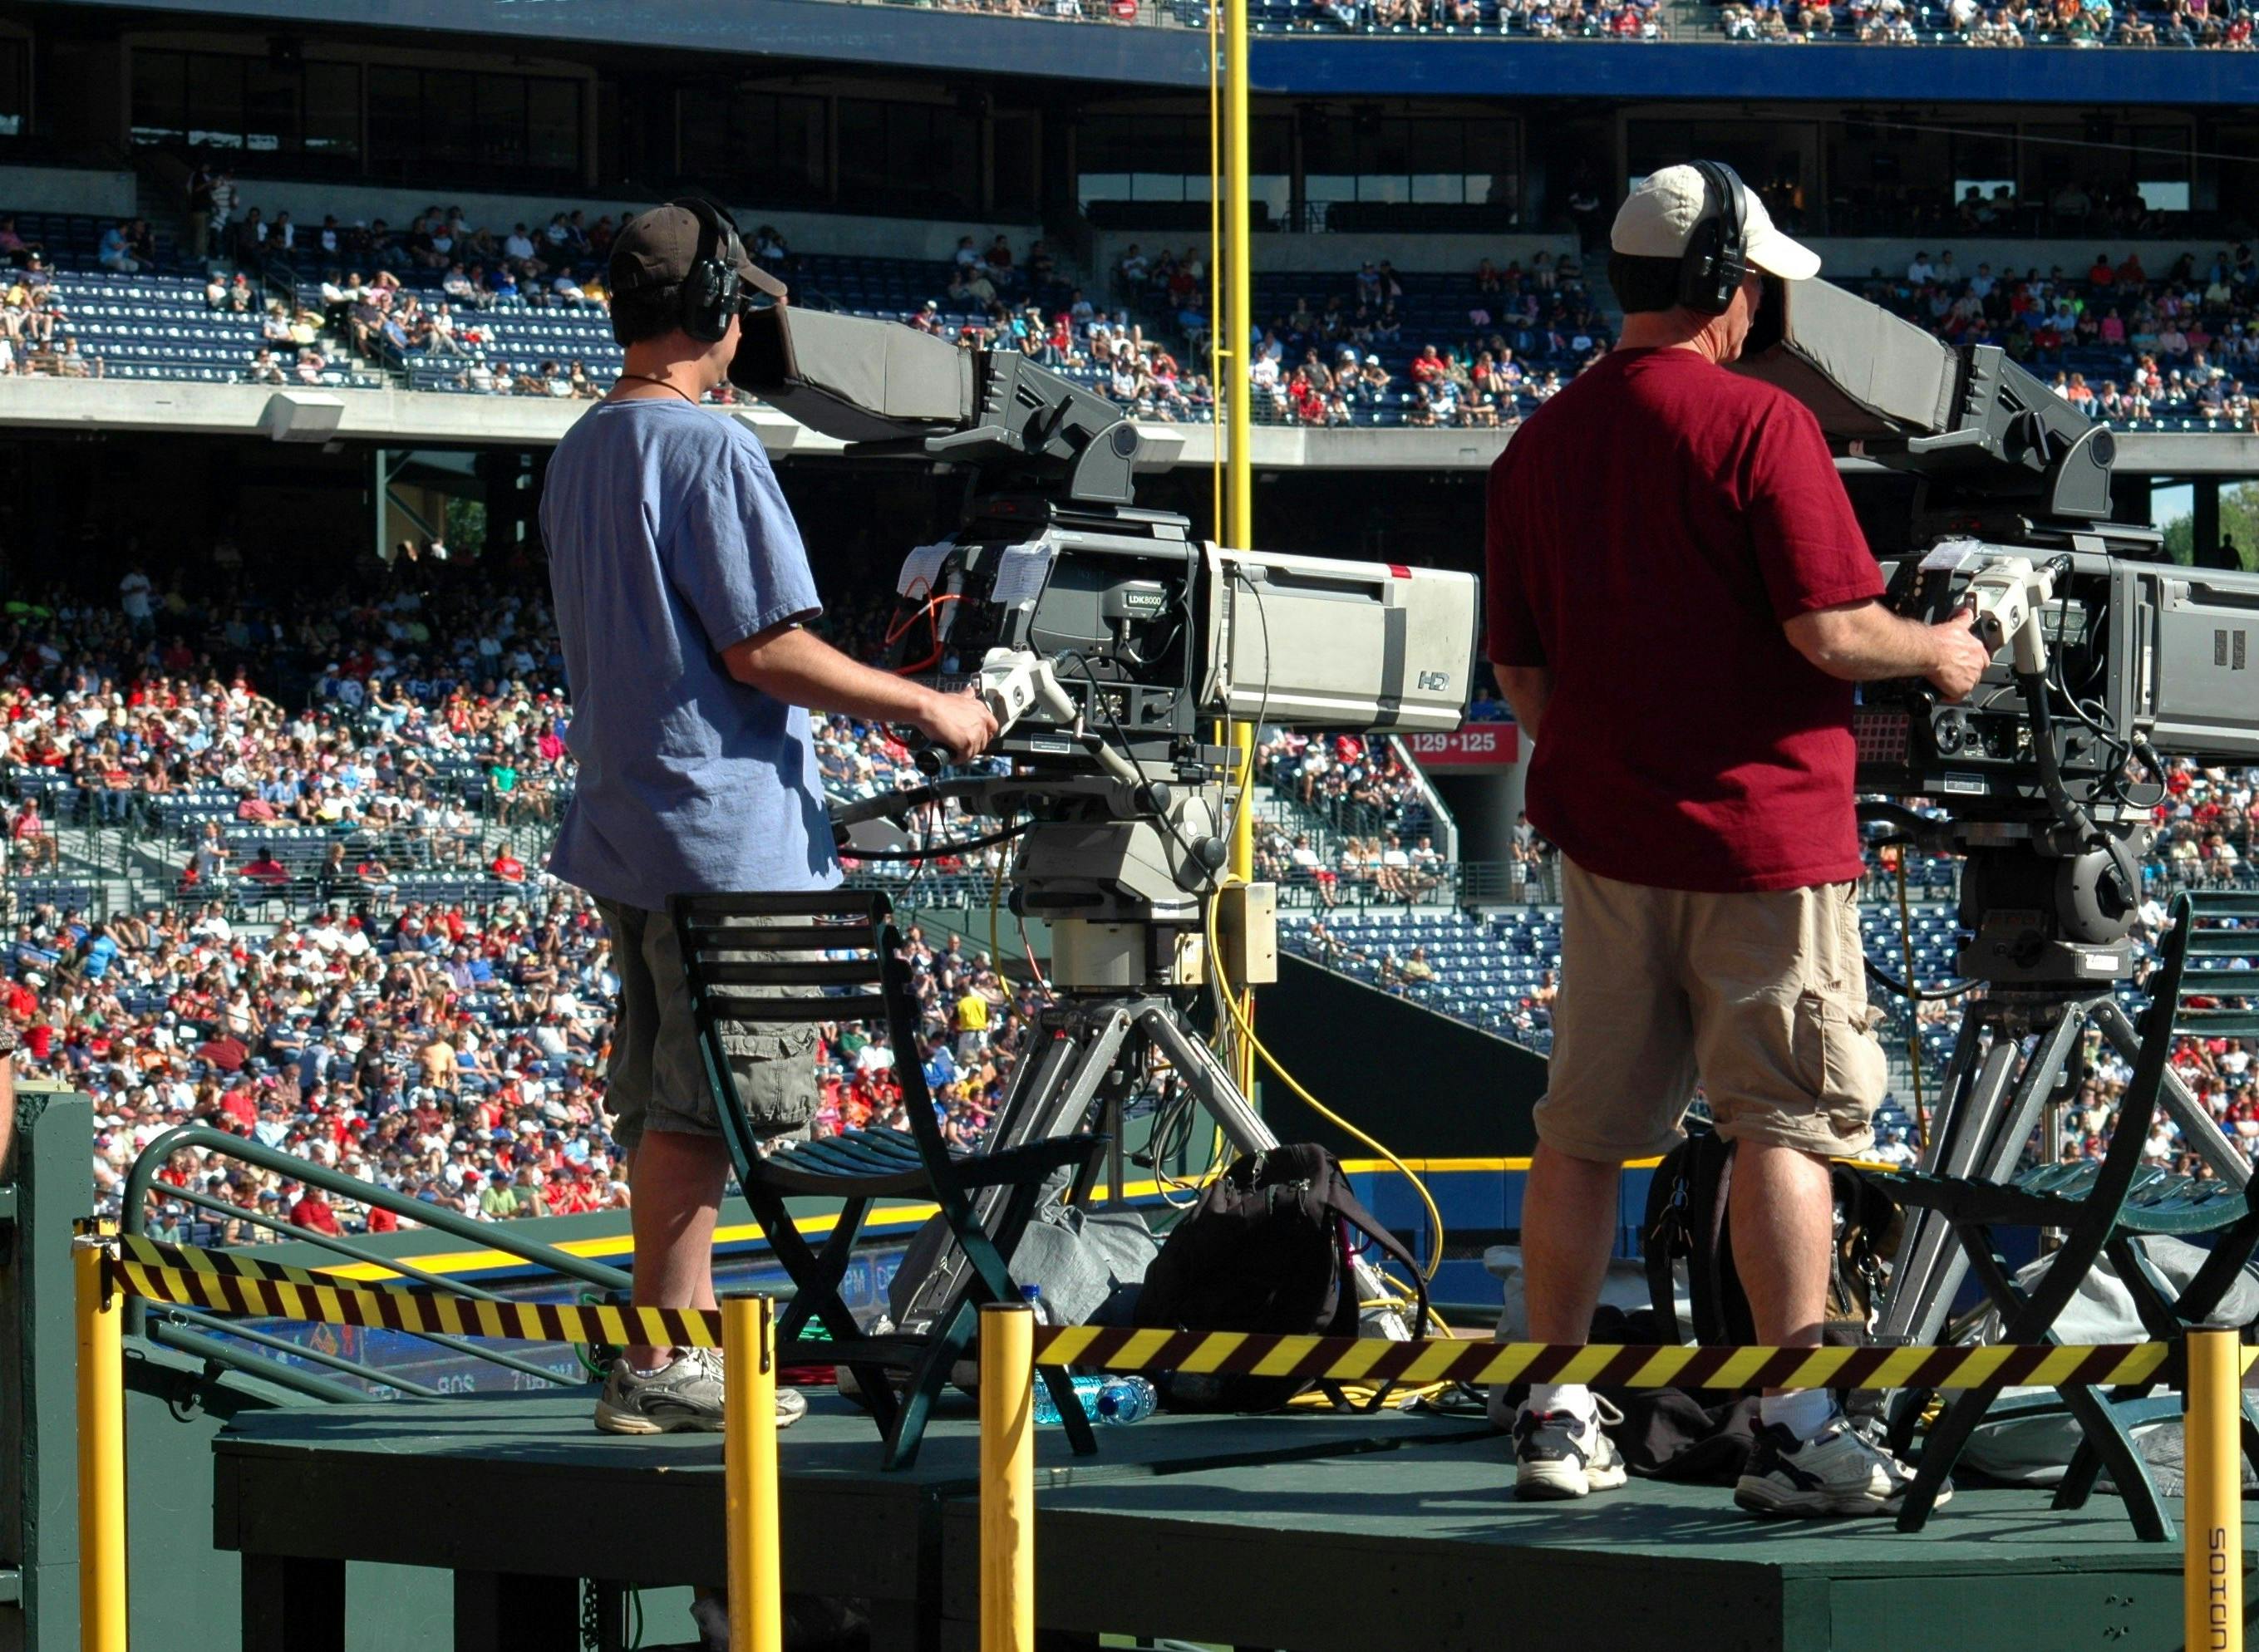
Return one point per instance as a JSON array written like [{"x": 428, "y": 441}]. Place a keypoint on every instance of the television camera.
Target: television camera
[
  {"x": 1107, "y": 641},
  {"x": 1109, "y": 644},
  {"x": 2106, "y": 655}
]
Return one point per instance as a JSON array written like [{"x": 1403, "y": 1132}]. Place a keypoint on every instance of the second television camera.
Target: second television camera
[{"x": 2107, "y": 654}]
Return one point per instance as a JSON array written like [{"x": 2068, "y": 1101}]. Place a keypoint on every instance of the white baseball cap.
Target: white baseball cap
[{"x": 1657, "y": 217}]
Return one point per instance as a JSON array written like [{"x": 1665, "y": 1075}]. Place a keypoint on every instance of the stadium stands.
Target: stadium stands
[{"x": 2140, "y": 352}]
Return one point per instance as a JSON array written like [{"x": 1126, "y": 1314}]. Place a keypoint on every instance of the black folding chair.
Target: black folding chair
[
  {"x": 835, "y": 956},
  {"x": 2101, "y": 1210}
]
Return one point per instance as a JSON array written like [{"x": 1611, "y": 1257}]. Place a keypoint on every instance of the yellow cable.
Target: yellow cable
[{"x": 1247, "y": 1031}]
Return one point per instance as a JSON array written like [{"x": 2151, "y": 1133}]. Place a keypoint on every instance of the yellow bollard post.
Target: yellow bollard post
[
  {"x": 1007, "y": 1478},
  {"x": 2212, "y": 1516},
  {"x": 749, "y": 1472},
  {"x": 101, "y": 1449}
]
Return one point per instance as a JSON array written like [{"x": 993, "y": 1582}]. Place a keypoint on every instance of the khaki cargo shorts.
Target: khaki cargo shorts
[
  {"x": 656, "y": 1079},
  {"x": 1761, "y": 995}
]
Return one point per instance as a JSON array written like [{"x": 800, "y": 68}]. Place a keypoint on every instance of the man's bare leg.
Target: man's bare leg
[
  {"x": 675, "y": 1181},
  {"x": 1784, "y": 1217},
  {"x": 1568, "y": 1229}
]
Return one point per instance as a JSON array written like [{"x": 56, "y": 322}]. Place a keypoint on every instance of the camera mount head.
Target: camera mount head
[
  {"x": 888, "y": 389},
  {"x": 1978, "y": 427}
]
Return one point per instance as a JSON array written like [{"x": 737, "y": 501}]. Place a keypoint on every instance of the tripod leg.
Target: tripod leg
[
  {"x": 1051, "y": 1096},
  {"x": 1990, "y": 1139},
  {"x": 1930, "y": 1265}
]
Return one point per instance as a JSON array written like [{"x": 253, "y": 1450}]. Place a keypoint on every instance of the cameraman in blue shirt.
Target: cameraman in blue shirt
[{"x": 682, "y": 591}]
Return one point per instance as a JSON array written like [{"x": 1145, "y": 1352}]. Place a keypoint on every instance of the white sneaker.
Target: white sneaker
[
  {"x": 1557, "y": 1453},
  {"x": 1838, "y": 1471}
]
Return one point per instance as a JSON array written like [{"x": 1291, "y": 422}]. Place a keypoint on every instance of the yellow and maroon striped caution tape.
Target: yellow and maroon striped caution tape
[
  {"x": 1369, "y": 1360},
  {"x": 224, "y": 1282},
  {"x": 229, "y": 1282}
]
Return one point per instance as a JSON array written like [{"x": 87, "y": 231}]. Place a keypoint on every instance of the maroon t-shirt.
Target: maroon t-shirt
[{"x": 1650, "y": 529}]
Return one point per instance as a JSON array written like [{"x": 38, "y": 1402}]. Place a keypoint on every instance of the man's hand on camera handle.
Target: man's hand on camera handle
[
  {"x": 1864, "y": 642},
  {"x": 959, "y": 723},
  {"x": 1962, "y": 656}
]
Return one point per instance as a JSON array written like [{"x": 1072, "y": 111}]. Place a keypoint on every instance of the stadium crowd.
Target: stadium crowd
[
  {"x": 451, "y": 1047},
  {"x": 285, "y": 980},
  {"x": 2123, "y": 343},
  {"x": 1514, "y": 333},
  {"x": 2117, "y": 340}
]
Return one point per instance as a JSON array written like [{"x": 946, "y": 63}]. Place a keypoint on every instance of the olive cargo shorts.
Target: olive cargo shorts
[
  {"x": 1763, "y": 996},
  {"x": 656, "y": 1079}
]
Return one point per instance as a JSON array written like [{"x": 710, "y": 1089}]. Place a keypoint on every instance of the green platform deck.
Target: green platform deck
[{"x": 1312, "y": 1532}]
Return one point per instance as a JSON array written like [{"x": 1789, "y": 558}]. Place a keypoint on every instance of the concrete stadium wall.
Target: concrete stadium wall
[
  {"x": 419, "y": 418},
  {"x": 66, "y": 189}
]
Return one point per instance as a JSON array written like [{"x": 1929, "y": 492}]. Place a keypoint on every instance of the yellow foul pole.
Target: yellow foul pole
[{"x": 1236, "y": 530}]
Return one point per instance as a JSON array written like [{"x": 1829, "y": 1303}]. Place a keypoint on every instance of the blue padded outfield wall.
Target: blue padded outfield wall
[{"x": 1318, "y": 66}]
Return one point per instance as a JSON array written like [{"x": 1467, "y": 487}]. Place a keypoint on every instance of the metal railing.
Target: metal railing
[{"x": 191, "y": 1331}]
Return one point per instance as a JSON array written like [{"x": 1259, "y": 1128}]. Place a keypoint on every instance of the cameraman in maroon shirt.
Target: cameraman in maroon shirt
[{"x": 1680, "y": 601}]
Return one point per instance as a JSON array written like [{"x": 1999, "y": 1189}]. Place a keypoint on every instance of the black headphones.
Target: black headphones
[
  {"x": 711, "y": 288},
  {"x": 1716, "y": 260}
]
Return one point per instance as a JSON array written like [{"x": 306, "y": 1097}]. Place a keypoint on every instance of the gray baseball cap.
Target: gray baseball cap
[{"x": 657, "y": 248}]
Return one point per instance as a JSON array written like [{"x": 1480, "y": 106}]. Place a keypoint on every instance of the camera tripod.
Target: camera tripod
[
  {"x": 1085, "y": 1061},
  {"x": 1126, "y": 889},
  {"x": 2048, "y": 948}
]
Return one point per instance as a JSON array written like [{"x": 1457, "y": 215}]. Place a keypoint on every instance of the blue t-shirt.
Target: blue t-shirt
[{"x": 668, "y": 543}]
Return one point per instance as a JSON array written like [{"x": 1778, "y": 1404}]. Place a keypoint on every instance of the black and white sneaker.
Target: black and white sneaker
[
  {"x": 682, "y": 1396},
  {"x": 1557, "y": 1453},
  {"x": 1837, "y": 1472}
]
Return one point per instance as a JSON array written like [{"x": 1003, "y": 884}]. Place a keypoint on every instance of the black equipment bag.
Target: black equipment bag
[
  {"x": 1268, "y": 1249},
  {"x": 1686, "y": 1221}
]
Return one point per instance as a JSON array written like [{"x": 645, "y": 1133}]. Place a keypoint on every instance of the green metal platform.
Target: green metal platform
[{"x": 1311, "y": 1532}]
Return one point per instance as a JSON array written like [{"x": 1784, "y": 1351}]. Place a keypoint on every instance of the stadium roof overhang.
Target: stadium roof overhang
[{"x": 1311, "y": 66}]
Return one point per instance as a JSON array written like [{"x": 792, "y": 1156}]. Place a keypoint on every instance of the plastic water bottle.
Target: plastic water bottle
[
  {"x": 1122, "y": 1400},
  {"x": 1114, "y": 1399},
  {"x": 1085, "y": 1394}
]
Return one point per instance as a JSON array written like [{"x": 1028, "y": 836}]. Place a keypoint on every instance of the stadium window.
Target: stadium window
[
  {"x": 881, "y": 144},
  {"x": 161, "y": 97},
  {"x": 494, "y": 124},
  {"x": 395, "y": 120},
  {"x": 247, "y": 104},
  {"x": 1164, "y": 158},
  {"x": 552, "y": 124},
  {"x": 1014, "y": 149},
  {"x": 2163, "y": 173},
  {"x": 1493, "y": 163},
  {"x": 1436, "y": 155},
  {"x": 270, "y": 107},
  {"x": 747, "y": 141},
  {"x": 502, "y": 120},
  {"x": 215, "y": 100},
  {"x": 331, "y": 121},
  {"x": 802, "y": 170},
  {"x": 450, "y": 117},
  {"x": 15, "y": 87}
]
